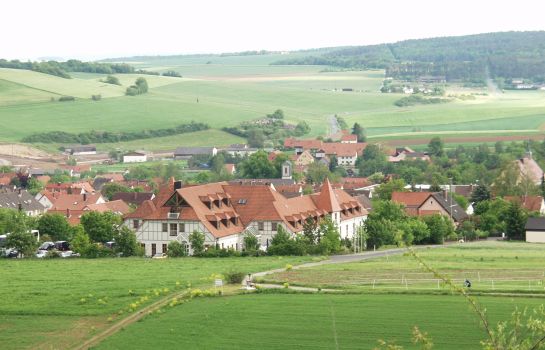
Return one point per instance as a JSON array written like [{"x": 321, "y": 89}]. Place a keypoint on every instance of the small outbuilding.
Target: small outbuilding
[
  {"x": 535, "y": 230},
  {"x": 135, "y": 157}
]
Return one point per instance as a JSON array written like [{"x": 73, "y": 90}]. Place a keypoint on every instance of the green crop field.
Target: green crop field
[
  {"x": 57, "y": 303},
  {"x": 224, "y": 91},
  {"x": 297, "y": 321}
]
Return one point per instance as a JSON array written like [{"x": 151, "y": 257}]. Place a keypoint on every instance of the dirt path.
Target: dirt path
[{"x": 128, "y": 320}]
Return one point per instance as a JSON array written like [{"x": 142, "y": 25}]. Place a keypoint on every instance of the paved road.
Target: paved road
[{"x": 348, "y": 258}]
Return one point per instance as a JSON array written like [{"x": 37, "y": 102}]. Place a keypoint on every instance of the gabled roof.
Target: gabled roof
[
  {"x": 259, "y": 202},
  {"x": 531, "y": 203},
  {"x": 63, "y": 201},
  {"x": 529, "y": 167},
  {"x": 327, "y": 199},
  {"x": 343, "y": 149},
  {"x": 349, "y": 137},
  {"x": 12, "y": 200},
  {"x": 410, "y": 199},
  {"x": 135, "y": 198}
]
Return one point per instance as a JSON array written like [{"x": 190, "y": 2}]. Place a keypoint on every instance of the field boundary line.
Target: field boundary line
[
  {"x": 96, "y": 339},
  {"x": 334, "y": 325}
]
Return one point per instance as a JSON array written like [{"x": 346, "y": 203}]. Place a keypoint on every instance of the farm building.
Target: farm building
[
  {"x": 226, "y": 212},
  {"x": 535, "y": 230},
  {"x": 240, "y": 150},
  {"x": 187, "y": 152},
  {"x": 530, "y": 203},
  {"x": 135, "y": 157}
]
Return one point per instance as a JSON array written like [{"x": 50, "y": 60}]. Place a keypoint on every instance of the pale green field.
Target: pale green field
[{"x": 233, "y": 89}]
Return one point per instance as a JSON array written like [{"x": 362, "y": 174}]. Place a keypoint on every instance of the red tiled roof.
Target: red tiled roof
[
  {"x": 326, "y": 199},
  {"x": 344, "y": 149},
  {"x": 531, "y": 203},
  {"x": 63, "y": 201},
  {"x": 410, "y": 199},
  {"x": 349, "y": 137}
]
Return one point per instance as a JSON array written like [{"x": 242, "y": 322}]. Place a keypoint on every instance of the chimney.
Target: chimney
[
  {"x": 85, "y": 196},
  {"x": 67, "y": 212},
  {"x": 177, "y": 185}
]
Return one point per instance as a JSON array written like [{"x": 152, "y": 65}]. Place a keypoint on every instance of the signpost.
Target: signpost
[{"x": 218, "y": 283}]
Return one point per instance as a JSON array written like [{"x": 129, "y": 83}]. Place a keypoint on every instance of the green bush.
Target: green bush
[
  {"x": 234, "y": 277},
  {"x": 176, "y": 250}
]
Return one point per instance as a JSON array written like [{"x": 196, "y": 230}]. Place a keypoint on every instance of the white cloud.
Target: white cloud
[{"x": 102, "y": 28}]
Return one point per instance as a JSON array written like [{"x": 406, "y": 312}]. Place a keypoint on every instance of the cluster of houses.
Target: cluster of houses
[{"x": 227, "y": 211}]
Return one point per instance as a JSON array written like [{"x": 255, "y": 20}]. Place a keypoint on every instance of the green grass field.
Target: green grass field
[
  {"x": 297, "y": 321},
  {"x": 57, "y": 303},
  {"x": 232, "y": 89},
  {"x": 491, "y": 266}
]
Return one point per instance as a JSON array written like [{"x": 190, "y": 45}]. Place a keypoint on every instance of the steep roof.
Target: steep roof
[
  {"x": 529, "y": 167},
  {"x": 531, "y": 203},
  {"x": 244, "y": 204},
  {"x": 12, "y": 200},
  {"x": 63, "y": 201},
  {"x": 326, "y": 199}
]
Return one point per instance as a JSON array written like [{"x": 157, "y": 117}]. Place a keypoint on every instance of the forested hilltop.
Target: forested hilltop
[{"x": 505, "y": 55}]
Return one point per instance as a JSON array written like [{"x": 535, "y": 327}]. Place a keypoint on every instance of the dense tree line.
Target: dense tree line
[
  {"x": 107, "y": 137},
  {"x": 61, "y": 69},
  {"x": 467, "y": 58}
]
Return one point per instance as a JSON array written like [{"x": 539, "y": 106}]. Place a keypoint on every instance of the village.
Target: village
[{"x": 162, "y": 210}]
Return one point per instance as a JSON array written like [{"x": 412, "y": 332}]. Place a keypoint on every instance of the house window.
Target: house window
[
  {"x": 181, "y": 227},
  {"x": 260, "y": 226},
  {"x": 135, "y": 224},
  {"x": 164, "y": 227},
  {"x": 165, "y": 248},
  {"x": 173, "y": 229},
  {"x": 274, "y": 226},
  {"x": 153, "y": 249}
]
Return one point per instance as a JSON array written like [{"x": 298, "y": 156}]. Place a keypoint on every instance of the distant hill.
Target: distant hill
[{"x": 506, "y": 55}]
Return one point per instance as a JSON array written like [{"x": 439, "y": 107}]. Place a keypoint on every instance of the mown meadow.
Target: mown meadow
[{"x": 58, "y": 303}]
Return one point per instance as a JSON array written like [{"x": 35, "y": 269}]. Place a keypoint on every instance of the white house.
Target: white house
[
  {"x": 535, "y": 230},
  {"x": 135, "y": 157},
  {"x": 225, "y": 213}
]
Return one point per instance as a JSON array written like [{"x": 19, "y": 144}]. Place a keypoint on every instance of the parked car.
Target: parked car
[
  {"x": 41, "y": 254},
  {"x": 12, "y": 253},
  {"x": 47, "y": 246},
  {"x": 62, "y": 246}
]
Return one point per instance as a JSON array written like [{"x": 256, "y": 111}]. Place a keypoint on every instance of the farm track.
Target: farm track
[{"x": 128, "y": 321}]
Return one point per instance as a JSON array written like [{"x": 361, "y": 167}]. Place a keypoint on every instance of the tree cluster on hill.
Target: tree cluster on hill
[
  {"x": 140, "y": 87},
  {"x": 107, "y": 137},
  {"x": 272, "y": 128},
  {"x": 61, "y": 69},
  {"x": 469, "y": 58}
]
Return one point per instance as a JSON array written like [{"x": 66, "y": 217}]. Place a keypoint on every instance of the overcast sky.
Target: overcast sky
[{"x": 114, "y": 28}]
